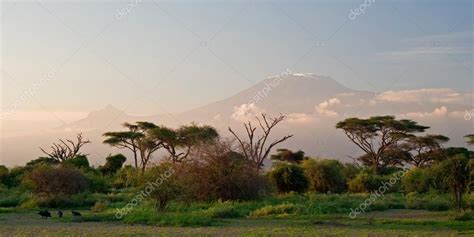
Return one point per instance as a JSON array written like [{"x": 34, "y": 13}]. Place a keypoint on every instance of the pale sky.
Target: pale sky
[{"x": 67, "y": 58}]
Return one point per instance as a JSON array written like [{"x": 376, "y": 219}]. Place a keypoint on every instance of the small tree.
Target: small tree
[
  {"x": 377, "y": 134},
  {"x": 137, "y": 139},
  {"x": 113, "y": 164},
  {"x": 66, "y": 149},
  {"x": 288, "y": 178},
  {"x": 289, "y": 156},
  {"x": 128, "y": 140},
  {"x": 455, "y": 172},
  {"x": 255, "y": 149},
  {"x": 179, "y": 142},
  {"x": 162, "y": 185},
  {"x": 325, "y": 175}
]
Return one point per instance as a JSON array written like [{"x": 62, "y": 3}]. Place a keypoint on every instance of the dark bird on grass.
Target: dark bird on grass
[
  {"x": 60, "y": 213},
  {"x": 76, "y": 213},
  {"x": 44, "y": 214}
]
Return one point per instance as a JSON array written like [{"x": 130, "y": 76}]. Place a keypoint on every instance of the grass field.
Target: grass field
[{"x": 387, "y": 223}]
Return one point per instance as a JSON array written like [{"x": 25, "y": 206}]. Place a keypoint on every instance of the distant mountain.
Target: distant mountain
[
  {"x": 294, "y": 93},
  {"x": 313, "y": 105}
]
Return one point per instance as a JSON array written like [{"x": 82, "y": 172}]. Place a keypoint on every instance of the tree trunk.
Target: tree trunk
[
  {"x": 136, "y": 159},
  {"x": 458, "y": 194},
  {"x": 375, "y": 167}
]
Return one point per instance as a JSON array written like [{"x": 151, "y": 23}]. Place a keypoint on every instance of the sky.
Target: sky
[{"x": 63, "y": 59}]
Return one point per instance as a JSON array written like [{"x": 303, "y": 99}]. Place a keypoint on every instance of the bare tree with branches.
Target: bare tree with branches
[
  {"x": 65, "y": 150},
  {"x": 255, "y": 149}
]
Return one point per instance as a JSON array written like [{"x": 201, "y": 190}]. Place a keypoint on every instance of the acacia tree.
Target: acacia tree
[
  {"x": 179, "y": 142},
  {"x": 65, "y": 150},
  {"x": 424, "y": 150},
  {"x": 255, "y": 149},
  {"x": 377, "y": 134},
  {"x": 137, "y": 139},
  {"x": 391, "y": 156},
  {"x": 127, "y": 139}
]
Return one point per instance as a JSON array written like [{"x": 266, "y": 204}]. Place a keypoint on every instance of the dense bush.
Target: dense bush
[
  {"x": 51, "y": 182},
  {"x": 366, "y": 182},
  {"x": 325, "y": 175},
  {"x": 161, "y": 184},
  {"x": 432, "y": 201},
  {"x": 127, "y": 177},
  {"x": 97, "y": 182},
  {"x": 417, "y": 180},
  {"x": 80, "y": 162},
  {"x": 218, "y": 173},
  {"x": 113, "y": 164},
  {"x": 4, "y": 172},
  {"x": 289, "y": 177}
]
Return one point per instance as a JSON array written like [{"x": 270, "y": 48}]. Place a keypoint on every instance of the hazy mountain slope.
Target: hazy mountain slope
[{"x": 313, "y": 105}]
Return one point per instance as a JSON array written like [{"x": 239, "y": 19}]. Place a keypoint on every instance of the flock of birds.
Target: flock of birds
[{"x": 46, "y": 213}]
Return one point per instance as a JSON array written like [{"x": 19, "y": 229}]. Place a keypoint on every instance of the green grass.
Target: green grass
[
  {"x": 290, "y": 214},
  {"x": 385, "y": 223}
]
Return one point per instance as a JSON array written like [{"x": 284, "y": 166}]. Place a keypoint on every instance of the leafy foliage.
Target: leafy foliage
[
  {"x": 288, "y": 177},
  {"x": 378, "y": 134},
  {"x": 325, "y": 175}
]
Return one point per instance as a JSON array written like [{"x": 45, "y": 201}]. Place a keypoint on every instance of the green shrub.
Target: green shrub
[
  {"x": 367, "y": 182},
  {"x": 80, "y": 162},
  {"x": 288, "y": 177},
  {"x": 12, "y": 197},
  {"x": 113, "y": 164},
  {"x": 10, "y": 201},
  {"x": 325, "y": 175},
  {"x": 438, "y": 203},
  {"x": 282, "y": 209},
  {"x": 465, "y": 216},
  {"x": 127, "y": 177},
  {"x": 96, "y": 182},
  {"x": 414, "y": 201},
  {"x": 416, "y": 180},
  {"x": 431, "y": 201}
]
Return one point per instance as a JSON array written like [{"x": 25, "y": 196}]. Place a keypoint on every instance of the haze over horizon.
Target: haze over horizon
[{"x": 205, "y": 61}]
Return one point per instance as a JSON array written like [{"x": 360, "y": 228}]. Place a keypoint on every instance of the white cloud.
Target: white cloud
[
  {"x": 433, "y": 95},
  {"x": 324, "y": 107},
  {"x": 299, "y": 118},
  {"x": 438, "y": 112},
  {"x": 246, "y": 112}
]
